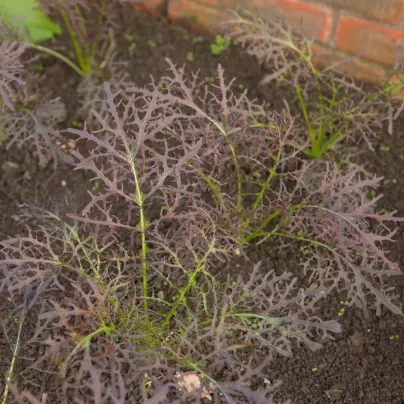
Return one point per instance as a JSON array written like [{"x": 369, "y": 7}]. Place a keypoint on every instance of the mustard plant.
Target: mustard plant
[{"x": 141, "y": 299}]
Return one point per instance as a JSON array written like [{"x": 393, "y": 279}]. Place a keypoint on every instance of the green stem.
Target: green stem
[
  {"x": 231, "y": 146},
  {"x": 58, "y": 56},
  {"x": 84, "y": 32},
  {"x": 312, "y": 132},
  {"x": 99, "y": 23},
  {"x": 76, "y": 44},
  {"x": 139, "y": 200},
  {"x": 184, "y": 291},
  {"x": 144, "y": 256},
  {"x": 182, "y": 296},
  {"x": 272, "y": 172},
  {"x": 10, "y": 372}
]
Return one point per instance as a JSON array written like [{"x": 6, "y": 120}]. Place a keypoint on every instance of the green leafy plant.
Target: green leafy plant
[
  {"x": 321, "y": 139},
  {"x": 132, "y": 43},
  {"x": 27, "y": 18},
  {"x": 197, "y": 39},
  {"x": 190, "y": 57},
  {"x": 85, "y": 39},
  {"x": 220, "y": 45}
]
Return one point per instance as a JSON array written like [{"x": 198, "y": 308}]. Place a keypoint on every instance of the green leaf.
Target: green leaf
[{"x": 29, "y": 19}]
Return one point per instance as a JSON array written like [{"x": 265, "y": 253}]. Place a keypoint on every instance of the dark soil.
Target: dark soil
[{"x": 364, "y": 365}]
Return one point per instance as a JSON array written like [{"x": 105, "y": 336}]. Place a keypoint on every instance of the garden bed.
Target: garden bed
[{"x": 365, "y": 364}]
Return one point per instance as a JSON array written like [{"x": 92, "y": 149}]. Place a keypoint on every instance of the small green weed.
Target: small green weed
[
  {"x": 39, "y": 67},
  {"x": 197, "y": 39},
  {"x": 132, "y": 43},
  {"x": 322, "y": 135},
  {"x": 129, "y": 38},
  {"x": 77, "y": 124},
  {"x": 220, "y": 45},
  {"x": 132, "y": 47},
  {"x": 343, "y": 306},
  {"x": 190, "y": 57},
  {"x": 151, "y": 43}
]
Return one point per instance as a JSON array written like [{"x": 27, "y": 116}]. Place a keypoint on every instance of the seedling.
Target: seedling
[
  {"x": 190, "y": 57},
  {"x": 76, "y": 124},
  {"x": 220, "y": 45},
  {"x": 151, "y": 43},
  {"x": 96, "y": 186},
  {"x": 132, "y": 47},
  {"x": 384, "y": 148},
  {"x": 343, "y": 306},
  {"x": 372, "y": 193},
  {"x": 197, "y": 39},
  {"x": 320, "y": 140},
  {"x": 129, "y": 38},
  {"x": 39, "y": 67}
]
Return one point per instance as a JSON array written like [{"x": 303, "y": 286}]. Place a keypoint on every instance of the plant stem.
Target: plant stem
[
  {"x": 58, "y": 56},
  {"x": 191, "y": 281},
  {"x": 231, "y": 146},
  {"x": 10, "y": 372},
  {"x": 139, "y": 200},
  {"x": 83, "y": 63},
  {"x": 272, "y": 172},
  {"x": 98, "y": 30}
]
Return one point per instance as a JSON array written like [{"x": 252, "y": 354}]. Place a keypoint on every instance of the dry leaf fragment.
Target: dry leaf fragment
[{"x": 192, "y": 382}]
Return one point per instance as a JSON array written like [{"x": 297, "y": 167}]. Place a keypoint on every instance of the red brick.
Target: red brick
[
  {"x": 314, "y": 20},
  {"x": 369, "y": 39},
  {"x": 359, "y": 69},
  {"x": 196, "y": 16},
  {"x": 383, "y": 10},
  {"x": 152, "y": 7},
  {"x": 214, "y": 3}
]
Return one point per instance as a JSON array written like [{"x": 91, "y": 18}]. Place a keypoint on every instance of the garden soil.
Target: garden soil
[{"x": 365, "y": 364}]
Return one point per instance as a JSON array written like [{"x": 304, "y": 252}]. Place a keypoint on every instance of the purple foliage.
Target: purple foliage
[
  {"x": 189, "y": 176},
  {"x": 39, "y": 130},
  {"x": 11, "y": 67},
  {"x": 288, "y": 54},
  {"x": 27, "y": 119}
]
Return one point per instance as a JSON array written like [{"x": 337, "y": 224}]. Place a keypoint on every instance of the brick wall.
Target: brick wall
[{"x": 373, "y": 29}]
